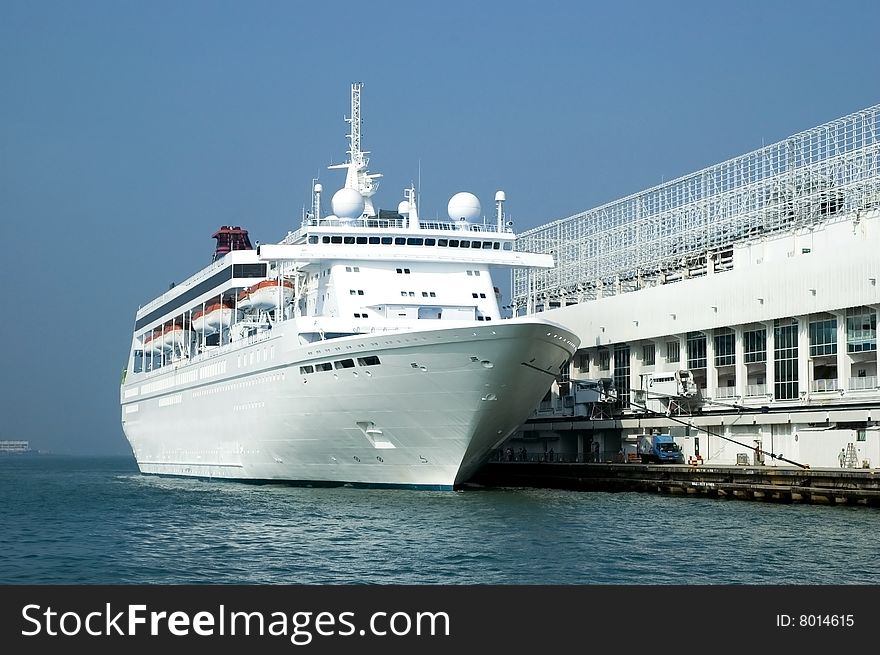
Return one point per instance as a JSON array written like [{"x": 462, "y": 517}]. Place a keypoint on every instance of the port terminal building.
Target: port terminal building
[{"x": 734, "y": 308}]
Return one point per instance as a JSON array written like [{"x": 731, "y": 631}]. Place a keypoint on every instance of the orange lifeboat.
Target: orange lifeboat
[
  {"x": 214, "y": 317},
  {"x": 167, "y": 337},
  {"x": 176, "y": 336},
  {"x": 264, "y": 295},
  {"x": 153, "y": 342}
]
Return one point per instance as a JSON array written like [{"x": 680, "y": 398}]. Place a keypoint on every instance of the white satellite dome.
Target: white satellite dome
[
  {"x": 347, "y": 204},
  {"x": 403, "y": 207},
  {"x": 464, "y": 205}
]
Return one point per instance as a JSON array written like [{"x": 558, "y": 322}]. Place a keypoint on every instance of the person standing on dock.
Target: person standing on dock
[{"x": 842, "y": 457}]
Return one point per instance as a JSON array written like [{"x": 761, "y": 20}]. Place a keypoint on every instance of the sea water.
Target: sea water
[{"x": 86, "y": 520}]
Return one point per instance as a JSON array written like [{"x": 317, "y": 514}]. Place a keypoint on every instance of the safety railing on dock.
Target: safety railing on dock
[{"x": 522, "y": 455}]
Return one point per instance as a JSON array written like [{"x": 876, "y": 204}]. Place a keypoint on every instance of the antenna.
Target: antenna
[{"x": 357, "y": 177}]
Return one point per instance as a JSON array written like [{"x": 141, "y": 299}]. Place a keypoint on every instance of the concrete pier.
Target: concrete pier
[{"x": 756, "y": 483}]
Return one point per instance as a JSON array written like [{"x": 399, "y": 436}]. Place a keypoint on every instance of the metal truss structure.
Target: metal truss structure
[{"x": 681, "y": 228}]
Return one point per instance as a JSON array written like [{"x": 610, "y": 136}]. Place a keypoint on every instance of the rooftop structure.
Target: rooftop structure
[{"x": 671, "y": 231}]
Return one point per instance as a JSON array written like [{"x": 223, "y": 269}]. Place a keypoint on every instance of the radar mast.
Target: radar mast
[{"x": 357, "y": 177}]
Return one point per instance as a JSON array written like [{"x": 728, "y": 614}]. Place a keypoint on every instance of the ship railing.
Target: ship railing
[{"x": 393, "y": 223}]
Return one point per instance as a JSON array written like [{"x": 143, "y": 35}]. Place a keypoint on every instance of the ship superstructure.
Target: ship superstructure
[{"x": 366, "y": 347}]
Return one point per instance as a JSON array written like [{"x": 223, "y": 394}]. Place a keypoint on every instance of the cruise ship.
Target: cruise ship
[{"x": 366, "y": 348}]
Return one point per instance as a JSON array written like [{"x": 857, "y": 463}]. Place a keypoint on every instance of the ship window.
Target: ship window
[
  {"x": 352, "y": 292},
  {"x": 464, "y": 244},
  {"x": 453, "y": 243},
  {"x": 479, "y": 318},
  {"x": 495, "y": 245},
  {"x": 442, "y": 242},
  {"x": 433, "y": 295},
  {"x": 477, "y": 273},
  {"x": 424, "y": 294},
  {"x": 306, "y": 369},
  {"x": 400, "y": 270},
  {"x": 369, "y": 360},
  {"x": 386, "y": 241},
  {"x": 348, "y": 240},
  {"x": 362, "y": 240},
  {"x": 248, "y": 270},
  {"x": 488, "y": 318},
  {"x": 313, "y": 239},
  {"x": 348, "y": 269},
  {"x": 344, "y": 363},
  {"x": 474, "y": 295},
  {"x": 482, "y": 295},
  {"x": 356, "y": 315},
  {"x": 325, "y": 239},
  {"x": 356, "y": 269},
  {"x": 406, "y": 270},
  {"x": 360, "y": 292},
  {"x": 335, "y": 239},
  {"x": 324, "y": 366},
  {"x": 470, "y": 272},
  {"x": 374, "y": 240},
  {"x": 412, "y": 294},
  {"x": 430, "y": 242},
  {"x": 413, "y": 241},
  {"x": 508, "y": 245},
  {"x": 399, "y": 241},
  {"x": 487, "y": 245},
  {"x": 403, "y": 293}
]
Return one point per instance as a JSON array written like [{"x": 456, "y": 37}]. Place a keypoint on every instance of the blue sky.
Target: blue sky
[{"x": 130, "y": 131}]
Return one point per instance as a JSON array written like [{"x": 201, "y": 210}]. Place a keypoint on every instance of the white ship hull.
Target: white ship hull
[{"x": 426, "y": 416}]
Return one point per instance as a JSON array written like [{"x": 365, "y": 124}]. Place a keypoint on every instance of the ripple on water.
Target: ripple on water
[{"x": 83, "y": 520}]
